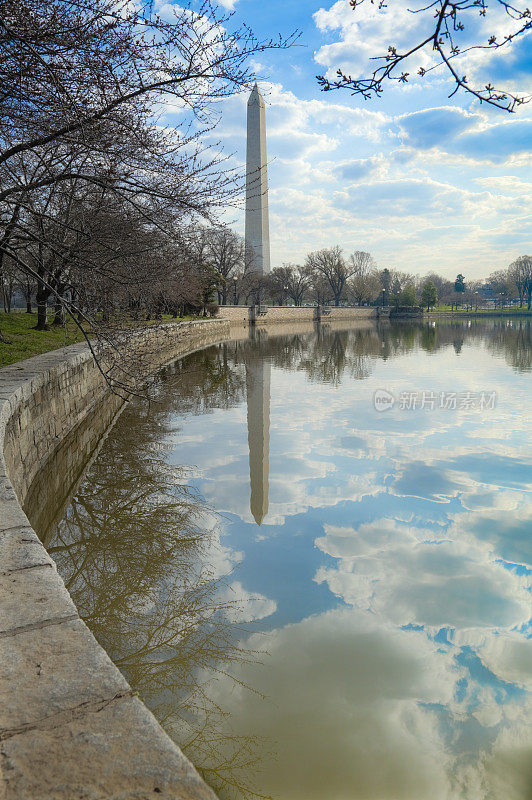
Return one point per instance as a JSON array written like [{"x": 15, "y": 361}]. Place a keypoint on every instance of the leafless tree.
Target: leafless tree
[
  {"x": 363, "y": 286},
  {"x": 331, "y": 265},
  {"x": 447, "y": 43},
  {"x": 277, "y": 284},
  {"x": 85, "y": 75},
  {"x": 84, "y": 84},
  {"x": 520, "y": 272},
  {"x": 226, "y": 257},
  {"x": 289, "y": 281},
  {"x": 319, "y": 289},
  {"x": 27, "y": 286},
  {"x": 298, "y": 283}
]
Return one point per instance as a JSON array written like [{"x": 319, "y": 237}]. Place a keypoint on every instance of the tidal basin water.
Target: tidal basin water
[{"x": 320, "y": 599}]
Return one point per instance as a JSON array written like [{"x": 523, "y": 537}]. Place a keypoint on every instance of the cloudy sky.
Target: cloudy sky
[{"x": 420, "y": 180}]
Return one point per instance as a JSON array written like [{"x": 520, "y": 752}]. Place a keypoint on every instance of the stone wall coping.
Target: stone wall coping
[{"x": 70, "y": 727}]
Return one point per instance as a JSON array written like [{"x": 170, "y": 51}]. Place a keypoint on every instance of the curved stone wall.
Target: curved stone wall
[
  {"x": 70, "y": 727},
  {"x": 241, "y": 315}
]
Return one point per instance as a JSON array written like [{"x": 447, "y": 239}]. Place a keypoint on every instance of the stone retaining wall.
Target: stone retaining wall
[
  {"x": 480, "y": 314},
  {"x": 238, "y": 315},
  {"x": 241, "y": 314},
  {"x": 352, "y": 313},
  {"x": 70, "y": 727}
]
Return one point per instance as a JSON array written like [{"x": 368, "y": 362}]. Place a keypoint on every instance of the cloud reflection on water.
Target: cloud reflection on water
[
  {"x": 415, "y": 687},
  {"x": 388, "y": 585}
]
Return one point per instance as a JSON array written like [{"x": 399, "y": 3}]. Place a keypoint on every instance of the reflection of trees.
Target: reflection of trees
[
  {"x": 326, "y": 359},
  {"x": 134, "y": 551},
  {"x": 514, "y": 342},
  {"x": 325, "y": 355},
  {"x": 428, "y": 339},
  {"x": 207, "y": 379}
]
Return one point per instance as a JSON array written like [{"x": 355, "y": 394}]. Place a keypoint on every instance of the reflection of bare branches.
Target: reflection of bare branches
[
  {"x": 134, "y": 552},
  {"x": 208, "y": 379},
  {"x": 228, "y": 761}
]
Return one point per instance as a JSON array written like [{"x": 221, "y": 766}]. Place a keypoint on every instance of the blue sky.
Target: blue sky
[{"x": 420, "y": 181}]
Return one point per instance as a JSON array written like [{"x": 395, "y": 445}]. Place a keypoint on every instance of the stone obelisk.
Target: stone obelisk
[{"x": 257, "y": 224}]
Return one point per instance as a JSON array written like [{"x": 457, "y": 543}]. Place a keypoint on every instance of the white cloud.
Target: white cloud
[
  {"x": 412, "y": 576},
  {"x": 243, "y": 606},
  {"x": 340, "y": 701},
  {"x": 345, "y": 699}
]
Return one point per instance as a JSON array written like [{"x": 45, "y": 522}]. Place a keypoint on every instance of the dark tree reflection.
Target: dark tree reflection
[
  {"x": 135, "y": 551},
  {"x": 514, "y": 342}
]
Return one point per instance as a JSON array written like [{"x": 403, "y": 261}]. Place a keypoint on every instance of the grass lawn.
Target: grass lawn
[{"x": 26, "y": 342}]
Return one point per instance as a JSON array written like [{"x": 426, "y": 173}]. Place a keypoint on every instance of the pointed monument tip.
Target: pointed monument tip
[
  {"x": 255, "y": 96},
  {"x": 258, "y": 518}
]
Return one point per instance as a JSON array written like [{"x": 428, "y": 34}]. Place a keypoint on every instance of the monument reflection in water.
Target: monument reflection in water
[
  {"x": 258, "y": 373},
  {"x": 364, "y": 632}
]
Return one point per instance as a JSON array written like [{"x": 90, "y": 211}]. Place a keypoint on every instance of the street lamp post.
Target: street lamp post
[{"x": 235, "y": 279}]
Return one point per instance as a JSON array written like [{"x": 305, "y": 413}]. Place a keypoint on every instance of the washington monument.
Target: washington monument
[{"x": 257, "y": 225}]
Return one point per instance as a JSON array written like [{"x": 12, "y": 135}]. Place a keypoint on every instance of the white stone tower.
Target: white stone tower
[{"x": 257, "y": 223}]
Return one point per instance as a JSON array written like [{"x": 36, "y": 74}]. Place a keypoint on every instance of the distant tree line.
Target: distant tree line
[
  {"x": 207, "y": 266},
  {"x": 329, "y": 277}
]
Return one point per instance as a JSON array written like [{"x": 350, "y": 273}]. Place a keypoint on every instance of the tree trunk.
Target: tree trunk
[
  {"x": 42, "y": 301},
  {"x": 41, "y": 314},
  {"x": 59, "y": 318},
  {"x": 28, "y": 306}
]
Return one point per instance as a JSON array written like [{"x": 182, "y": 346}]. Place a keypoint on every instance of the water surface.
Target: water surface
[{"x": 321, "y": 600}]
